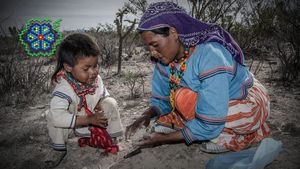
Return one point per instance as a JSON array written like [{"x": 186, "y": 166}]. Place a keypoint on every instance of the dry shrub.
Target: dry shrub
[
  {"x": 135, "y": 82},
  {"x": 21, "y": 78}
]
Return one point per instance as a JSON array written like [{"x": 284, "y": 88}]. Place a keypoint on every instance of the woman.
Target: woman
[{"x": 201, "y": 89}]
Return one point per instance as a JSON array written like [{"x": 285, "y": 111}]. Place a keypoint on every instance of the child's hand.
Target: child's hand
[{"x": 98, "y": 119}]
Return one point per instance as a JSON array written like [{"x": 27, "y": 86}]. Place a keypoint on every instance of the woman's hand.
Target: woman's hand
[
  {"x": 156, "y": 139},
  {"x": 143, "y": 120},
  {"x": 131, "y": 129}
]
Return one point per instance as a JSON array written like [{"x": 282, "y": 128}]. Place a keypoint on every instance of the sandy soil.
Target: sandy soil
[{"x": 24, "y": 139}]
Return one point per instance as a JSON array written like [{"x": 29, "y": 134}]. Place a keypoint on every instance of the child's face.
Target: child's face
[{"x": 85, "y": 70}]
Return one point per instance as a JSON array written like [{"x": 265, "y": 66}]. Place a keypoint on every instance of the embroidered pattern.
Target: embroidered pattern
[
  {"x": 158, "y": 9},
  {"x": 40, "y": 38},
  {"x": 211, "y": 120},
  {"x": 174, "y": 78},
  {"x": 81, "y": 89},
  {"x": 215, "y": 71}
]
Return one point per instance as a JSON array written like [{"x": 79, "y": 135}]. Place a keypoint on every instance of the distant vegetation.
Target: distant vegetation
[{"x": 267, "y": 30}]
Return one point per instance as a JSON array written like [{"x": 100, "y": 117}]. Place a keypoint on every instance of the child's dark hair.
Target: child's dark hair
[{"x": 72, "y": 48}]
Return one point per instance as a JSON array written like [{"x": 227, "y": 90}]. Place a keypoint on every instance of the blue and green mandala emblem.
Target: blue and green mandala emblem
[{"x": 40, "y": 38}]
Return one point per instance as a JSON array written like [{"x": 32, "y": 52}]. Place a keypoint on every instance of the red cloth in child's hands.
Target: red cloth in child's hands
[{"x": 99, "y": 139}]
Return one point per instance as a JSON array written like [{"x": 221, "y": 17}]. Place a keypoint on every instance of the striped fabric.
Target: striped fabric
[
  {"x": 245, "y": 123},
  {"x": 246, "y": 120},
  {"x": 58, "y": 147},
  {"x": 218, "y": 70},
  {"x": 62, "y": 95}
]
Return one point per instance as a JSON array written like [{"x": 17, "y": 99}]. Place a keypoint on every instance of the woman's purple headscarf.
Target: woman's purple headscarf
[{"x": 190, "y": 31}]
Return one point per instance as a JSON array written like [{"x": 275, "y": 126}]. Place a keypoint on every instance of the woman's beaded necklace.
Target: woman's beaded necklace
[{"x": 175, "y": 76}]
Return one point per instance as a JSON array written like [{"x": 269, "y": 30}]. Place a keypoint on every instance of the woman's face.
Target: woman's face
[{"x": 163, "y": 48}]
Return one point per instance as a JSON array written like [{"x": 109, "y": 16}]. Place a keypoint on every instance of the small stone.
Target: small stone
[{"x": 46, "y": 112}]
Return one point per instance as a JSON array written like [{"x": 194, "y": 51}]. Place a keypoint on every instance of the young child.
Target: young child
[{"x": 78, "y": 90}]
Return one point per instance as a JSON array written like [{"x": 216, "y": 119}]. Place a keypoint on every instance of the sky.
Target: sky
[{"x": 75, "y": 14}]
